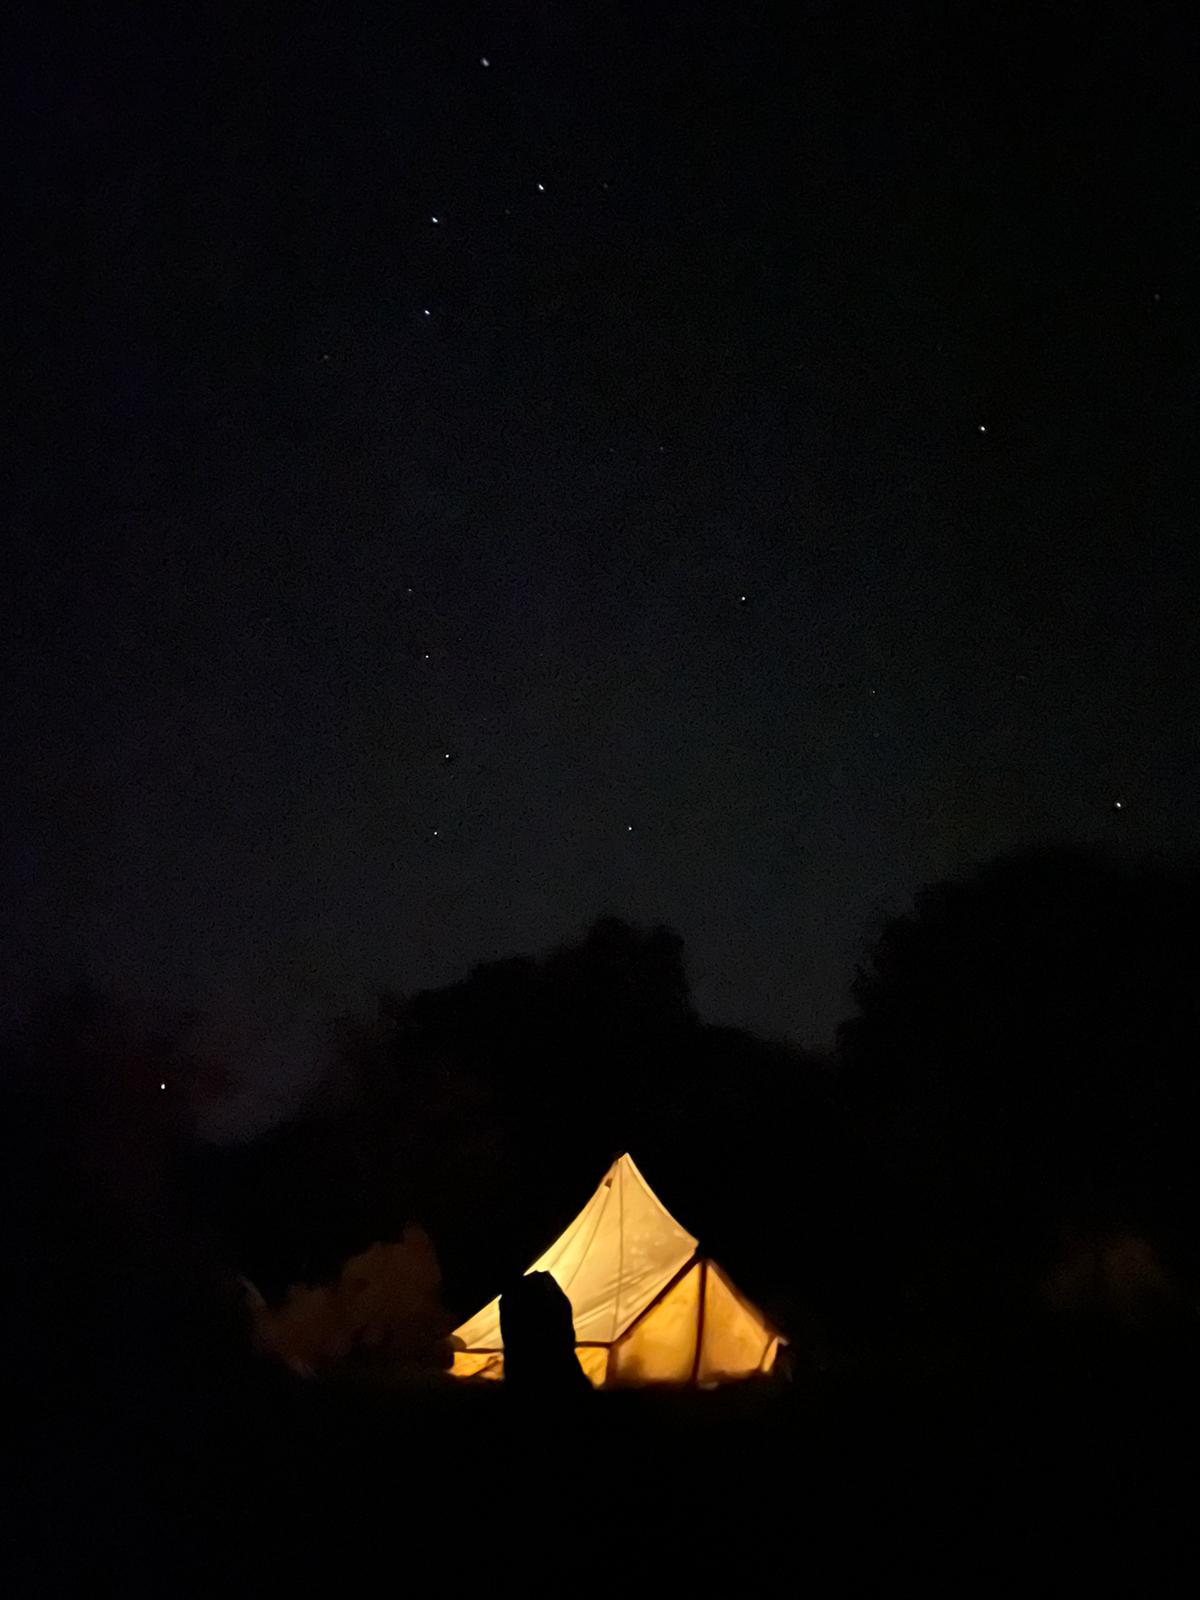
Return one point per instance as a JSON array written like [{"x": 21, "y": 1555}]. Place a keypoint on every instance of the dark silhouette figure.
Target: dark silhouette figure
[{"x": 539, "y": 1338}]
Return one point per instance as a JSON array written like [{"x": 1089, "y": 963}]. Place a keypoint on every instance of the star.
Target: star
[
  {"x": 448, "y": 756},
  {"x": 629, "y": 827},
  {"x": 1117, "y": 806},
  {"x": 742, "y": 599},
  {"x": 436, "y": 832},
  {"x": 982, "y": 428}
]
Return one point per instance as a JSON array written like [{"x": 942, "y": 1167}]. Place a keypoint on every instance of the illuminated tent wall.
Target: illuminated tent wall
[{"x": 648, "y": 1308}]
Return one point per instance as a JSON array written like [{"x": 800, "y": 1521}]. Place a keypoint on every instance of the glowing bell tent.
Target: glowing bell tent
[{"x": 648, "y": 1307}]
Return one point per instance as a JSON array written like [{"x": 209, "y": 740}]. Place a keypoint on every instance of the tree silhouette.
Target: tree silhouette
[
  {"x": 1022, "y": 1059},
  {"x": 500, "y": 1098},
  {"x": 111, "y": 1256},
  {"x": 495, "y": 1097}
]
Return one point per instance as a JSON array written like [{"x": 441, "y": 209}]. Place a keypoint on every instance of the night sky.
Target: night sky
[{"x": 478, "y": 468}]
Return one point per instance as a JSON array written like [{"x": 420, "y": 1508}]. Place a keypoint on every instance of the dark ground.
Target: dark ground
[{"x": 272, "y": 1483}]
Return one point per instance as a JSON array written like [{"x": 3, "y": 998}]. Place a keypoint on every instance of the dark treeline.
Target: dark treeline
[
  {"x": 987, "y": 1197},
  {"x": 998, "y": 1153},
  {"x": 487, "y": 1111}
]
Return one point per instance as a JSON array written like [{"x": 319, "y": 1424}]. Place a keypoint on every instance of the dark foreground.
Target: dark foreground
[{"x": 266, "y": 1484}]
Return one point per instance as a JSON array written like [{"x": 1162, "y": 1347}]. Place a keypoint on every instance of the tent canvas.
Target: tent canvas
[{"x": 648, "y": 1307}]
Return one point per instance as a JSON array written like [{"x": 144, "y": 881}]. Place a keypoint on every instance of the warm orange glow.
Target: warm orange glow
[
  {"x": 661, "y": 1346},
  {"x": 624, "y": 1265},
  {"x": 736, "y": 1339}
]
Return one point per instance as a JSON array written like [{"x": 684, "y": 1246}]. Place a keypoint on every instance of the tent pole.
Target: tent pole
[{"x": 700, "y": 1321}]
